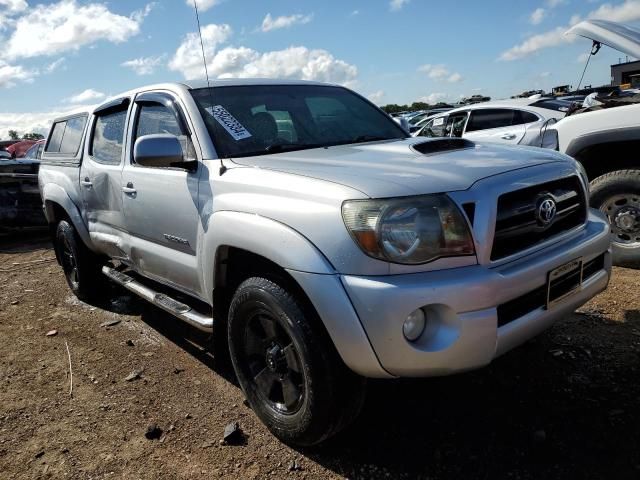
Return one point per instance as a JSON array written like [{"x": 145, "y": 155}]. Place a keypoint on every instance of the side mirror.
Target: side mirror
[
  {"x": 158, "y": 150},
  {"x": 404, "y": 123}
]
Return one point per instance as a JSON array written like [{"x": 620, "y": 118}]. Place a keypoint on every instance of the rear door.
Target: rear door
[
  {"x": 101, "y": 178},
  {"x": 499, "y": 125},
  {"x": 161, "y": 204}
]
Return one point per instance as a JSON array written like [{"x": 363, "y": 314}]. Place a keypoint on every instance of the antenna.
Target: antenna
[{"x": 206, "y": 72}]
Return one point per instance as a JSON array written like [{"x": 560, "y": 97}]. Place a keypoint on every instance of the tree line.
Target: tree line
[{"x": 14, "y": 135}]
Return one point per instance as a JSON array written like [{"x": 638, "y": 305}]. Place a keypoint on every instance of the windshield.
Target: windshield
[{"x": 263, "y": 119}]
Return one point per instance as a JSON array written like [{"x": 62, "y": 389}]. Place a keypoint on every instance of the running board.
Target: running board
[{"x": 182, "y": 311}]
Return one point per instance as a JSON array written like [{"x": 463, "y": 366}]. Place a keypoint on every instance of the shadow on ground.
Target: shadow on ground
[{"x": 562, "y": 406}]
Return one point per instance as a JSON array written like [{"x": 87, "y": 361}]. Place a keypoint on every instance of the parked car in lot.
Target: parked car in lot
[
  {"x": 297, "y": 221},
  {"x": 20, "y": 203},
  {"x": 606, "y": 142},
  {"x": 515, "y": 121}
]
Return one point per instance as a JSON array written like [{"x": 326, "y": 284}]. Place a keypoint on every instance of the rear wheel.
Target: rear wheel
[
  {"x": 287, "y": 367},
  {"x": 617, "y": 194},
  {"x": 81, "y": 267}
]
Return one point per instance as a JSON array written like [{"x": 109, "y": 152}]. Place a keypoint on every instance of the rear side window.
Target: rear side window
[
  {"x": 66, "y": 136},
  {"x": 486, "y": 118},
  {"x": 521, "y": 117},
  {"x": 108, "y": 138}
]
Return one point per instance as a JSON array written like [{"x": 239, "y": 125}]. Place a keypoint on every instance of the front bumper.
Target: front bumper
[{"x": 462, "y": 305}]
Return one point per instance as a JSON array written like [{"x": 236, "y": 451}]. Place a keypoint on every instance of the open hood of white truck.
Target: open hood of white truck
[{"x": 616, "y": 35}]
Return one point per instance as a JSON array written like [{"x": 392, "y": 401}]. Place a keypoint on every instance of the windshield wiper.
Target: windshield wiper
[
  {"x": 368, "y": 138},
  {"x": 288, "y": 147}
]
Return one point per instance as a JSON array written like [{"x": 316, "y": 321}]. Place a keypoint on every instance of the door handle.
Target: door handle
[
  {"x": 129, "y": 190},
  {"x": 86, "y": 182},
  {"x": 508, "y": 136}
]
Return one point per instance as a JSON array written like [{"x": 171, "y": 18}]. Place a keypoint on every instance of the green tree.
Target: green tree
[
  {"x": 13, "y": 135},
  {"x": 32, "y": 136}
]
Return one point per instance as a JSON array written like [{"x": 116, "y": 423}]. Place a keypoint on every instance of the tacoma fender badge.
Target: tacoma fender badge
[{"x": 174, "y": 239}]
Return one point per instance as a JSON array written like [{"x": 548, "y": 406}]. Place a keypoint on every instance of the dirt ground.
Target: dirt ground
[{"x": 562, "y": 406}]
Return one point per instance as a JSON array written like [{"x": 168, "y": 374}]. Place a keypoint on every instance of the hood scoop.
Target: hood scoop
[{"x": 442, "y": 145}]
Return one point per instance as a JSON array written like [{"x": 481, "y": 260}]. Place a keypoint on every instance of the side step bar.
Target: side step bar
[{"x": 182, "y": 311}]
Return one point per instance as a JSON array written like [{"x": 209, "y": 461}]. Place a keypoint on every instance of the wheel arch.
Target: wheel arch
[
  {"x": 606, "y": 151},
  {"x": 58, "y": 206}
]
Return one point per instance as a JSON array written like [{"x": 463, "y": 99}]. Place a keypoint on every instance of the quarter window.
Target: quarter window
[
  {"x": 108, "y": 138},
  {"x": 72, "y": 135},
  {"x": 66, "y": 136},
  {"x": 53, "y": 145}
]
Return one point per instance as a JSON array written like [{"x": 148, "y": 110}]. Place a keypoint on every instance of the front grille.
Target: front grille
[
  {"x": 519, "y": 307},
  {"x": 518, "y": 225}
]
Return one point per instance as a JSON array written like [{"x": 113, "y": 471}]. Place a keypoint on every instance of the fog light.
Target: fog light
[{"x": 414, "y": 325}]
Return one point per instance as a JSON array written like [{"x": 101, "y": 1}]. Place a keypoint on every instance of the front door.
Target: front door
[
  {"x": 161, "y": 204},
  {"x": 101, "y": 178}
]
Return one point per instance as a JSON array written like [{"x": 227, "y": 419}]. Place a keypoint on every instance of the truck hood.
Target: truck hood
[
  {"x": 397, "y": 168},
  {"x": 620, "y": 37}
]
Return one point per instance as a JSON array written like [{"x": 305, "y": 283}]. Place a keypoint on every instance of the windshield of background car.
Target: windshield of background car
[{"x": 262, "y": 119}]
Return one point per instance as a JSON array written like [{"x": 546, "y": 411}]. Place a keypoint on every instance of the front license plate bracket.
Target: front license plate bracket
[{"x": 564, "y": 281}]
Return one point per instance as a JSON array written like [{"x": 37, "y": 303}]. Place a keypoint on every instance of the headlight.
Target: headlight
[{"x": 409, "y": 230}]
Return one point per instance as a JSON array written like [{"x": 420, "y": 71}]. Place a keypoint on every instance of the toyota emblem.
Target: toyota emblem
[{"x": 546, "y": 211}]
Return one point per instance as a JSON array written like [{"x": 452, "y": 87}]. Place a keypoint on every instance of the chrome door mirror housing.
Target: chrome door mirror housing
[{"x": 158, "y": 150}]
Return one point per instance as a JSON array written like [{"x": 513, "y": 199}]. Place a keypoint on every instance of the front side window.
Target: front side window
[
  {"x": 434, "y": 128},
  {"x": 264, "y": 119},
  {"x": 108, "y": 137},
  {"x": 154, "y": 118}
]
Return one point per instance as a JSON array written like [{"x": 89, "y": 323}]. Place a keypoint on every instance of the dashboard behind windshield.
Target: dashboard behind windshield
[{"x": 264, "y": 119}]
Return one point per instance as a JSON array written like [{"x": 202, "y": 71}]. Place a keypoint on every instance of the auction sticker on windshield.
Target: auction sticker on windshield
[{"x": 229, "y": 122}]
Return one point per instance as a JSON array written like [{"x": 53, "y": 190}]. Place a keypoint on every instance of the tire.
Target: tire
[
  {"x": 81, "y": 267},
  {"x": 287, "y": 366},
  {"x": 617, "y": 194}
]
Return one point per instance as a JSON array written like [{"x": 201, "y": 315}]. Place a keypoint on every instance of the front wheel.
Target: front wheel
[
  {"x": 617, "y": 194},
  {"x": 287, "y": 367}
]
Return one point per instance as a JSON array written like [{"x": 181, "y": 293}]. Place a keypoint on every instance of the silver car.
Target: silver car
[{"x": 296, "y": 222}]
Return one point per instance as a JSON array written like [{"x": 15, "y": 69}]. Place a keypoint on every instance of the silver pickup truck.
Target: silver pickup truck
[{"x": 301, "y": 224}]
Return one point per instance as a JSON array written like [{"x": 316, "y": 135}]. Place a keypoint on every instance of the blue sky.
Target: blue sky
[{"x": 60, "y": 53}]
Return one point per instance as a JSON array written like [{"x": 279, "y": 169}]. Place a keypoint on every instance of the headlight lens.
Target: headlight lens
[{"x": 410, "y": 230}]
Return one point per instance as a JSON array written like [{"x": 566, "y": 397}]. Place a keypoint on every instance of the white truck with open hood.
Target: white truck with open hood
[{"x": 606, "y": 143}]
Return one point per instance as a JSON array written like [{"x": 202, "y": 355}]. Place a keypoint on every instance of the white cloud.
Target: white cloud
[
  {"x": 55, "y": 65},
  {"x": 13, "y": 6},
  {"x": 627, "y": 11},
  {"x": 144, "y": 65},
  {"x": 188, "y": 56},
  {"x": 433, "y": 98},
  {"x": 440, "y": 73},
  {"x": 10, "y": 74},
  {"x": 269, "y": 23},
  {"x": 86, "y": 96},
  {"x": 203, "y": 5},
  {"x": 376, "y": 97},
  {"x": 555, "y": 3},
  {"x": 548, "y": 39},
  {"x": 582, "y": 58},
  {"x": 63, "y": 26},
  {"x": 354, "y": 13},
  {"x": 395, "y": 5},
  {"x": 292, "y": 62},
  {"x": 537, "y": 16},
  {"x": 37, "y": 122}
]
